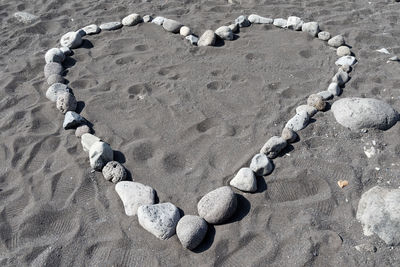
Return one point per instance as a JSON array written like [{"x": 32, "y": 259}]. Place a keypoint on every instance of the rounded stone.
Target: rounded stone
[
  {"x": 316, "y": 101},
  {"x": 171, "y": 25},
  {"x": 336, "y": 41},
  {"x": 81, "y": 130},
  {"x": 311, "y": 111},
  {"x": 224, "y": 32},
  {"x": 114, "y": 172},
  {"x": 340, "y": 78},
  {"x": 191, "y": 230},
  {"x": 218, "y": 205},
  {"x": 147, "y": 18},
  {"x": 324, "y": 36},
  {"x": 343, "y": 51},
  {"x": 91, "y": 29},
  {"x": 55, "y": 90},
  {"x": 273, "y": 147},
  {"x": 312, "y": 28},
  {"x": 234, "y": 28},
  {"x": 289, "y": 135},
  {"x": 325, "y": 95},
  {"x": 294, "y": 23},
  {"x": 158, "y": 20},
  {"x": 207, "y": 39},
  {"x": 71, "y": 40},
  {"x": 53, "y": 68},
  {"x": 334, "y": 89},
  {"x": 131, "y": 20},
  {"x": 185, "y": 31},
  {"x": 54, "y": 55},
  {"x": 280, "y": 22},
  {"x": 245, "y": 180},
  {"x": 55, "y": 78},
  {"x": 261, "y": 165},
  {"x": 100, "y": 153},
  {"x": 111, "y": 26},
  {"x": 133, "y": 195},
  {"x": 66, "y": 102},
  {"x": 242, "y": 21},
  {"x": 87, "y": 140}
]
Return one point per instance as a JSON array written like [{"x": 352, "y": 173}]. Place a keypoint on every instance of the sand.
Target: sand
[{"x": 184, "y": 120}]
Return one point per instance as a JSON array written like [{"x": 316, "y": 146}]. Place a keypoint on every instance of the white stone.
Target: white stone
[
  {"x": 224, "y": 32},
  {"x": 298, "y": 121},
  {"x": 192, "y": 39},
  {"x": 256, "y": 19},
  {"x": 316, "y": 101},
  {"x": 72, "y": 120},
  {"x": 261, "y": 165},
  {"x": 234, "y": 28},
  {"x": 171, "y": 25},
  {"x": 191, "y": 230},
  {"x": 289, "y": 135},
  {"x": 343, "y": 51},
  {"x": 114, "y": 172},
  {"x": 341, "y": 77},
  {"x": 53, "y": 68},
  {"x": 346, "y": 60},
  {"x": 185, "y": 31},
  {"x": 131, "y": 20},
  {"x": 100, "y": 153},
  {"x": 334, "y": 89},
  {"x": 207, "y": 39},
  {"x": 91, "y": 29},
  {"x": 133, "y": 195},
  {"x": 311, "y": 111},
  {"x": 71, "y": 40},
  {"x": 242, "y": 21},
  {"x": 294, "y": 23},
  {"x": 280, "y": 22},
  {"x": 245, "y": 180},
  {"x": 325, "y": 95},
  {"x": 147, "y": 18},
  {"x": 324, "y": 36},
  {"x": 273, "y": 147},
  {"x": 110, "y": 26},
  {"x": 54, "y": 55},
  {"x": 383, "y": 51},
  {"x": 336, "y": 41},
  {"x": 25, "y": 17},
  {"x": 55, "y": 89},
  {"x": 55, "y": 78},
  {"x": 87, "y": 140},
  {"x": 66, "y": 50},
  {"x": 312, "y": 28},
  {"x": 158, "y": 20}
]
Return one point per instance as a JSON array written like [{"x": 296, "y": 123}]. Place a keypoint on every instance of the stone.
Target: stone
[
  {"x": 294, "y": 23},
  {"x": 133, "y": 195},
  {"x": 336, "y": 41},
  {"x": 81, "y": 130},
  {"x": 280, "y": 22},
  {"x": 298, "y": 121},
  {"x": 366, "y": 248},
  {"x": 159, "y": 219},
  {"x": 171, "y": 25},
  {"x": 91, "y": 29},
  {"x": 185, "y": 31},
  {"x": 53, "y": 68},
  {"x": 345, "y": 68},
  {"x": 383, "y": 51},
  {"x": 346, "y": 60},
  {"x": 363, "y": 113},
  {"x": 217, "y": 206},
  {"x": 234, "y": 28},
  {"x": 114, "y": 172},
  {"x": 25, "y": 17},
  {"x": 147, "y": 18},
  {"x": 379, "y": 213},
  {"x": 100, "y": 153},
  {"x": 55, "y": 78},
  {"x": 289, "y": 135},
  {"x": 261, "y": 165},
  {"x": 394, "y": 58},
  {"x": 158, "y": 20},
  {"x": 207, "y": 39},
  {"x": 324, "y": 36},
  {"x": 242, "y": 21},
  {"x": 316, "y": 101},
  {"x": 66, "y": 102},
  {"x": 54, "y": 55},
  {"x": 312, "y": 28},
  {"x": 55, "y": 89},
  {"x": 111, "y": 26},
  {"x": 343, "y": 51},
  {"x": 131, "y": 20},
  {"x": 191, "y": 230},
  {"x": 311, "y": 111},
  {"x": 87, "y": 140},
  {"x": 325, "y": 95},
  {"x": 71, "y": 40},
  {"x": 73, "y": 120},
  {"x": 66, "y": 50},
  {"x": 334, "y": 89},
  {"x": 273, "y": 147},
  {"x": 256, "y": 19},
  {"x": 192, "y": 39},
  {"x": 340, "y": 78},
  {"x": 245, "y": 180},
  {"x": 81, "y": 32},
  {"x": 224, "y": 32}
]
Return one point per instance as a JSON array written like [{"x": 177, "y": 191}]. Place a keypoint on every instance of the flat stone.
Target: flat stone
[
  {"x": 56, "y": 89},
  {"x": 245, "y": 180},
  {"x": 73, "y": 120},
  {"x": 366, "y": 247},
  {"x": 261, "y": 165},
  {"x": 334, "y": 89},
  {"x": 325, "y": 95},
  {"x": 242, "y": 21},
  {"x": 192, "y": 39},
  {"x": 131, "y": 20},
  {"x": 87, "y": 140},
  {"x": 191, "y": 230},
  {"x": 379, "y": 213},
  {"x": 341, "y": 78},
  {"x": 273, "y": 147},
  {"x": 280, "y": 22},
  {"x": 298, "y": 121},
  {"x": 66, "y": 102},
  {"x": 55, "y": 78},
  {"x": 311, "y": 111},
  {"x": 158, "y": 20},
  {"x": 53, "y": 68},
  {"x": 71, "y": 40},
  {"x": 336, "y": 41},
  {"x": 114, "y": 172},
  {"x": 256, "y": 19},
  {"x": 294, "y": 23},
  {"x": 343, "y": 51},
  {"x": 316, "y": 101},
  {"x": 185, "y": 31},
  {"x": 133, "y": 195},
  {"x": 91, "y": 29},
  {"x": 159, "y": 219},
  {"x": 224, "y": 32},
  {"x": 324, "y": 36},
  {"x": 100, "y": 153},
  {"x": 81, "y": 130},
  {"x": 218, "y": 205},
  {"x": 346, "y": 60},
  {"x": 289, "y": 135},
  {"x": 54, "y": 55},
  {"x": 147, "y": 18},
  {"x": 111, "y": 26},
  {"x": 312, "y": 28},
  {"x": 25, "y": 17},
  {"x": 207, "y": 39},
  {"x": 363, "y": 113}
]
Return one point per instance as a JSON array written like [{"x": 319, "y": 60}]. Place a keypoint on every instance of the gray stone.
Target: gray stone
[
  {"x": 191, "y": 230},
  {"x": 66, "y": 102},
  {"x": 72, "y": 120},
  {"x": 159, "y": 219},
  {"x": 280, "y": 22},
  {"x": 111, "y": 26},
  {"x": 224, "y": 32},
  {"x": 379, "y": 213},
  {"x": 71, "y": 40},
  {"x": 334, "y": 89},
  {"x": 298, "y": 121},
  {"x": 87, "y": 140},
  {"x": 341, "y": 77},
  {"x": 366, "y": 248},
  {"x": 245, "y": 180},
  {"x": 261, "y": 165},
  {"x": 55, "y": 89},
  {"x": 312, "y": 28},
  {"x": 234, "y": 28},
  {"x": 324, "y": 36},
  {"x": 133, "y": 195},
  {"x": 311, "y": 111},
  {"x": 91, "y": 29},
  {"x": 325, "y": 95},
  {"x": 346, "y": 60},
  {"x": 336, "y": 41},
  {"x": 81, "y": 130},
  {"x": 192, "y": 39},
  {"x": 207, "y": 39},
  {"x": 55, "y": 78},
  {"x": 158, "y": 20},
  {"x": 185, "y": 31},
  {"x": 343, "y": 51},
  {"x": 289, "y": 135},
  {"x": 114, "y": 172},
  {"x": 54, "y": 55},
  {"x": 256, "y": 19},
  {"x": 294, "y": 23},
  {"x": 242, "y": 21},
  {"x": 316, "y": 101},
  {"x": 363, "y": 113},
  {"x": 273, "y": 147},
  {"x": 53, "y": 68},
  {"x": 147, "y": 18},
  {"x": 218, "y": 205},
  {"x": 81, "y": 32},
  {"x": 25, "y": 17},
  {"x": 345, "y": 68},
  {"x": 131, "y": 20},
  {"x": 171, "y": 25},
  {"x": 100, "y": 153}
]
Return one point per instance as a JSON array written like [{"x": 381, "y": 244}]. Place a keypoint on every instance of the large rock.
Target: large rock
[
  {"x": 73, "y": 120},
  {"x": 133, "y": 195},
  {"x": 256, "y": 19},
  {"x": 71, "y": 40},
  {"x": 171, "y": 25},
  {"x": 360, "y": 113},
  {"x": 218, "y": 205},
  {"x": 379, "y": 213},
  {"x": 261, "y": 165},
  {"x": 245, "y": 180},
  {"x": 159, "y": 219},
  {"x": 191, "y": 230},
  {"x": 207, "y": 39},
  {"x": 273, "y": 146},
  {"x": 100, "y": 153}
]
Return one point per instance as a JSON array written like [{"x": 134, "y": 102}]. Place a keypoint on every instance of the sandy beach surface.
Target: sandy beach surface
[{"x": 184, "y": 120}]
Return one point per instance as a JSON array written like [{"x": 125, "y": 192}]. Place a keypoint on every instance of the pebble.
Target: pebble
[
  {"x": 87, "y": 140},
  {"x": 346, "y": 60},
  {"x": 81, "y": 130},
  {"x": 282, "y": 23},
  {"x": 363, "y": 113},
  {"x": 207, "y": 39},
  {"x": 289, "y": 135},
  {"x": 110, "y": 26},
  {"x": 311, "y": 28},
  {"x": 336, "y": 41},
  {"x": 100, "y": 153},
  {"x": 343, "y": 51},
  {"x": 192, "y": 39},
  {"x": 131, "y": 20},
  {"x": 261, "y": 165},
  {"x": 294, "y": 23},
  {"x": 55, "y": 89},
  {"x": 71, "y": 40},
  {"x": 147, "y": 18},
  {"x": 191, "y": 230},
  {"x": 218, "y": 205},
  {"x": 256, "y": 19},
  {"x": 234, "y": 28},
  {"x": 133, "y": 195},
  {"x": 91, "y": 29},
  {"x": 383, "y": 51},
  {"x": 73, "y": 120},
  {"x": 53, "y": 68},
  {"x": 171, "y": 25},
  {"x": 54, "y": 55},
  {"x": 185, "y": 31},
  {"x": 159, "y": 219},
  {"x": 345, "y": 68},
  {"x": 25, "y": 17},
  {"x": 298, "y": 121},
  {"x": 242, "y": 21},
  {"x": 114, "y": 172},
  {"x": 158, "y": 20},
  {"x": 334, "y": 89},
  {"x": 379, "y": 213},
  {"x": 245, "y": 180},
  {"x": 66, "y": 102},
  {"x": 325, "y": 95},
  {"x": 273, "y": 147},
  {"x": 55, "y": 78},
  {"x": 341, "y": 78},
  {"x": 316, "y": 101},
  {"x": 224, "y": 32},
  {"x": 66, "y": 50},
  {"x": 324, "y": 36},
  {"x": 311, "y": 111}
]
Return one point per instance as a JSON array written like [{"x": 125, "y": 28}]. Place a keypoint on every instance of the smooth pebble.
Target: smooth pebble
[
  {"x": 131, "y": 20},
  {"x": 100, "y": 153},
  {"x": 312, "y": 28},
  {"x": 111, "y": 26},
  {"x": 191, "y": 230},
  {"x": 71, "y": 40},
  {"x": 245, "y": 180},
  {"x": 207, "y": 39},
  {"x": 66, "y": 102},
  {"x": 261, "y": 165},
  {"x": 55, "y": 89},
  {"x": 273, "y": 147}
]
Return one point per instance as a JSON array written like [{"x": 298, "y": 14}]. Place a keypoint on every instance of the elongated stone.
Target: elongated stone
[{"x": 133, "y": 195}]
